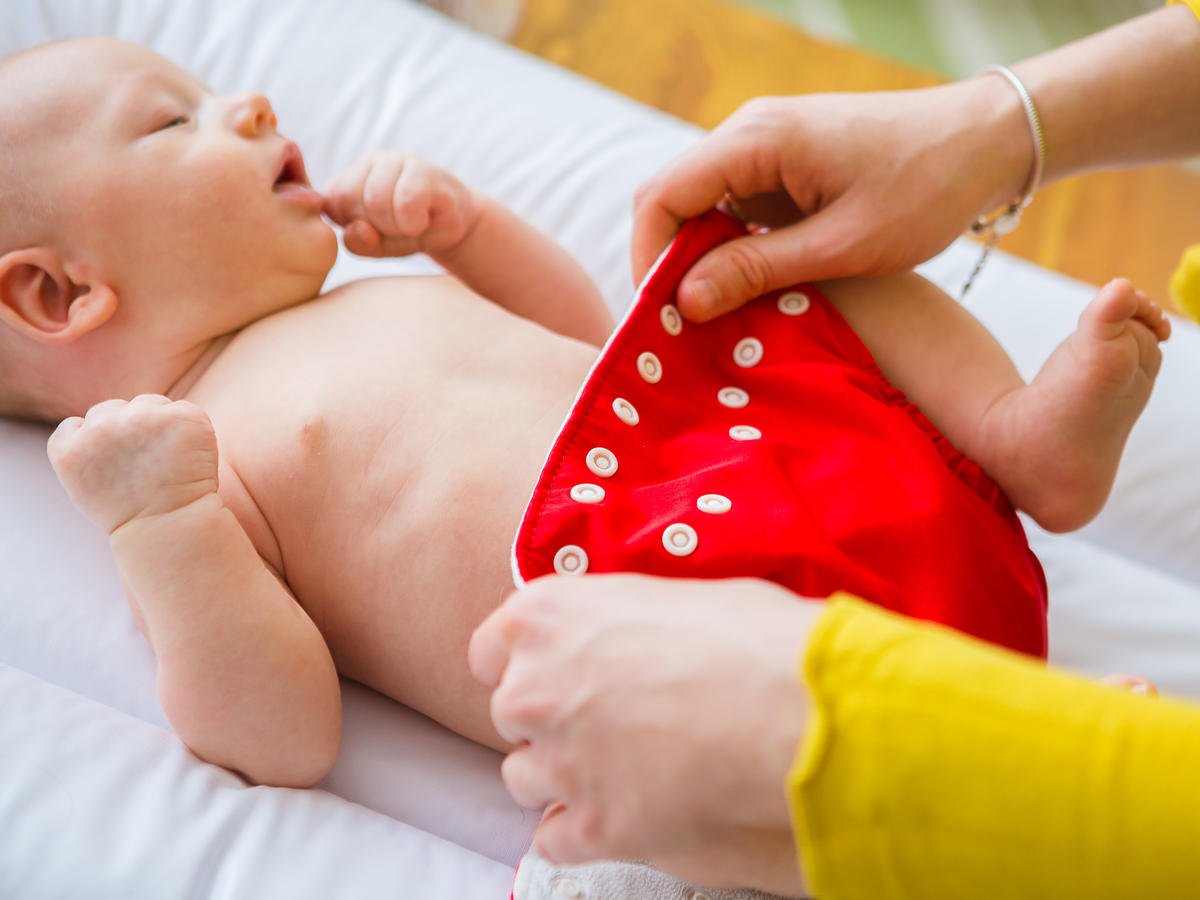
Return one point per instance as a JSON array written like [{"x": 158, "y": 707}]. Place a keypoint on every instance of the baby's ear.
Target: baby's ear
[{"x": 39, "y": 299}]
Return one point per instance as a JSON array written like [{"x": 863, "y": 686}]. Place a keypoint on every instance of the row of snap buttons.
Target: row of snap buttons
[
  {"x": 793, "y": 303},
  {"x": 679, "y": 539}
]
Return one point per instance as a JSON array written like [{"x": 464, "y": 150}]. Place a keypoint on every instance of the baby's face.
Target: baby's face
[{"x": 189, "y": 205}]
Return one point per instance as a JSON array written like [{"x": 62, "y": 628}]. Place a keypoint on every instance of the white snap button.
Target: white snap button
[
  {"x": 625, "y": 411},
  {"x": 748, "y": 352},
  {"x": 744, "y": 433},
  {"x": 714, "y": 503},
  {"x": 680, "y": 539},
  {"x": 602, "y": 462},
  {"x": 694, "y": 894},
  {"x": 569, "y": 889},
  {"x": 794, "y": 303},
  {"x": 587, "y": 493},
  {"x": 672, "y": 321},
  {"x": 570, "y": 560},
  {"x": 649, "y": 368},
  {"x": 733, "y": 397}
]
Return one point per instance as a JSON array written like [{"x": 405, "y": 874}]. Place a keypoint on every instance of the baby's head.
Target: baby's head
[{"x": 141, "y": 217}]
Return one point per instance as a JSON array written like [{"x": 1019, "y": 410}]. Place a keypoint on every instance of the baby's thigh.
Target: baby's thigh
[{"x": 928, "y": 346}]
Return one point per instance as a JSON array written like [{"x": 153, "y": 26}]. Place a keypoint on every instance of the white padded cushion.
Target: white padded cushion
[
  {"x": 344, "y": 77},
  {"x": 109, "y": 803}
]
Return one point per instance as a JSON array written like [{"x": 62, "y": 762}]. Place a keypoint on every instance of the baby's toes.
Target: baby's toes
[
  {"x": 1115, "y": 304},
  {"x": 1149, "y": 352},
  {"x": 1153, "y": 316}
]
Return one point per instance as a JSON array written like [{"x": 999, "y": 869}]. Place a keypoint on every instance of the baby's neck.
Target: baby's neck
[{"x": 185, "y": 382}]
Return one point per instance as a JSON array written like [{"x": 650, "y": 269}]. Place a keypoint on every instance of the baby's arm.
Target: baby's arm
[
  {"x": 394, "y": 204},
  {"x": 243, "y": 674}
]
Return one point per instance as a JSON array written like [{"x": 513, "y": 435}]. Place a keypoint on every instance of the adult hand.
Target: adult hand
[
  {"x": 654, "y": 718},
  {"x": 848, "y": 184}
]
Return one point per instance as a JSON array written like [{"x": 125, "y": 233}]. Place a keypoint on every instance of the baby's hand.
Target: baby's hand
[
  {"x": 127, "y": 460},
  {"x": 393, "y": 204}
]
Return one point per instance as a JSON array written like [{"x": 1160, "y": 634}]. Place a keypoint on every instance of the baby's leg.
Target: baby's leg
[{"x": 1053, "y": 445}]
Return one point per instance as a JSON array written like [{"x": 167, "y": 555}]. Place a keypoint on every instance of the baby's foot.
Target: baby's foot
[{"x": 1076, "y": 415}]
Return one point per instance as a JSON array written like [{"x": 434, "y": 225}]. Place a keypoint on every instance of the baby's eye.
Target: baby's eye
[{"x": 178, "y": 120}]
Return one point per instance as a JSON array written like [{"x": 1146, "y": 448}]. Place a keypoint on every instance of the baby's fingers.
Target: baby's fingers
[
  {"x": 58, "y": 441},
  {"x": 362, "y": 239},
  {"x": 413, "y": 198},
  {"x": 343, "y": 193},
  {"x": 379, "y": 190}
]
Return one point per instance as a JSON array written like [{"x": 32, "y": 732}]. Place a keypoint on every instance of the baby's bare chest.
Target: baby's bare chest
[{"x": 387, "y": 440}]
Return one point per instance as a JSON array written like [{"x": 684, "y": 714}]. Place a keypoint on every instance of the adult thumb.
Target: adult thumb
[{"x": 740, "y": 270}]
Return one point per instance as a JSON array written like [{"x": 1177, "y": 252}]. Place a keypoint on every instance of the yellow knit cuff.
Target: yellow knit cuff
[{"x": 1194, "y": 4}]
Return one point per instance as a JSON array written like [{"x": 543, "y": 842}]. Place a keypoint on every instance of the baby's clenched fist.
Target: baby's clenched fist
[
  {"x": 394, "y": 204},
  {"x": 131, "y": 459}
]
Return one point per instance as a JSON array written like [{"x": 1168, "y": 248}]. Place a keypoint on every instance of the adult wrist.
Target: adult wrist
[{"x": 1001, "y": 148}]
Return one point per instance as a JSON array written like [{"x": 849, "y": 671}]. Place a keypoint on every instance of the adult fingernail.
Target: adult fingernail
[{"x": 704, "y": 295}]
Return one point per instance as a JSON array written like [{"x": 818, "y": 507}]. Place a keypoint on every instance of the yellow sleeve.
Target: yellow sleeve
[
  {"x": 937, "y": 767},
  {"x": 1194, "y": 4}
]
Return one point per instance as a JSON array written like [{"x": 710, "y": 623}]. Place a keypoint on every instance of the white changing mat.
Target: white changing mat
[{"x": 99, "y": 800}]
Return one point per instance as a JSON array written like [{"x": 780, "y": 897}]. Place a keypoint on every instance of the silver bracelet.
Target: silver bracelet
[{"x": 992, "y": 228}]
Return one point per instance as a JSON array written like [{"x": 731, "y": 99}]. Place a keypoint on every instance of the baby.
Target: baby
[{"x": 298, "y": 485}]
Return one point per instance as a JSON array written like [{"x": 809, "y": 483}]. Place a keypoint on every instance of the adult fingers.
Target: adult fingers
[
  {"x": 726, "y": 162},
  {"x": 528, "y": 780},
  {"x": 561, "y": 839},
  {"x": 490, "y": 647},
  {"x": 736, "y": 272}
]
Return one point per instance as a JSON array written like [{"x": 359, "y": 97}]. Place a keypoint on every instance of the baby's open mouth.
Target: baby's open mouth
[{"x": 291, "y": 169}]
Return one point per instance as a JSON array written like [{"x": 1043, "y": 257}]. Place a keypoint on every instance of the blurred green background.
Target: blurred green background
[{"x": 954, "y": 37}]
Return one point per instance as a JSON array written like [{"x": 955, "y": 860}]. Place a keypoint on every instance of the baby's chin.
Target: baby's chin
[
  {"x": 318, "y": 262},
  {"x": 329, "y": 252}
]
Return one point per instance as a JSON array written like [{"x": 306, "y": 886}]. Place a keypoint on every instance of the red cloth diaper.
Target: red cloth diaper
[{"x": 767, "y": 443}]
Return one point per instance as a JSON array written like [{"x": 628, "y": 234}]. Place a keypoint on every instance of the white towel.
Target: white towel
[{"x": 539, "y": 880}]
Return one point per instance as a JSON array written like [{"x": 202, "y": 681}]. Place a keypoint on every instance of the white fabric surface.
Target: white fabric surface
[{"x": 97, "y": 799}]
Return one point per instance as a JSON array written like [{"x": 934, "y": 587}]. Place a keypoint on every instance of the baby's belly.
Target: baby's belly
[
  {"x": 427, "y": 557},
  {"x": 408, "y": 476}
]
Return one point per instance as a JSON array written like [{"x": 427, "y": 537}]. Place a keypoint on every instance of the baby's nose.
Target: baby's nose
[{"x": 252, "y": 115}]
